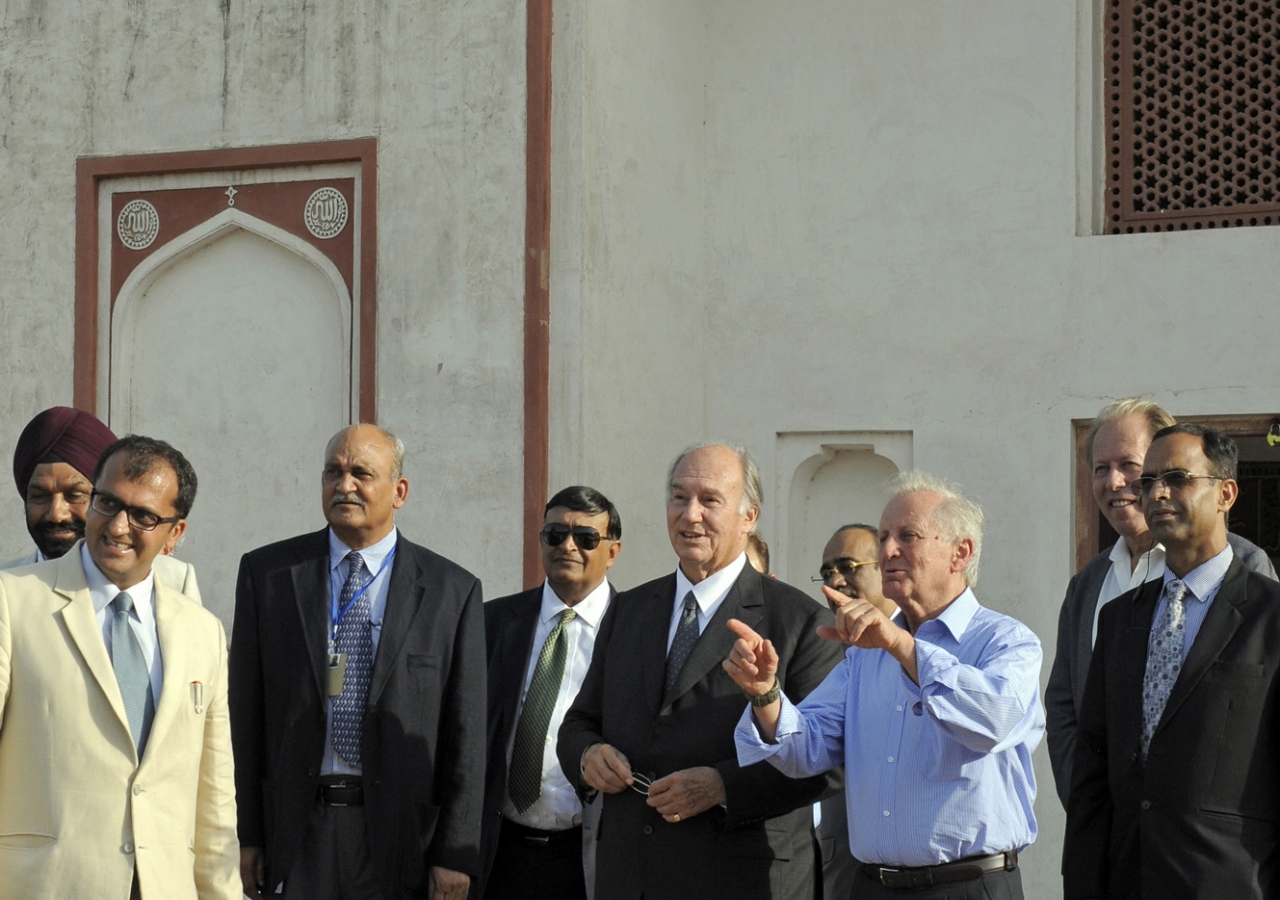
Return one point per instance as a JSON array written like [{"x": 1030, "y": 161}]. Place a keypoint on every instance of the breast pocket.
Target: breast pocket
[{"x": 422, "y": 661}]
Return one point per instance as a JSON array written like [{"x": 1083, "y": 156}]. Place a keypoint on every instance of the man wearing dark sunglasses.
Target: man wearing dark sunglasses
[
  {"x": 1117, "y": 443},
  {"x": 652, "y": 727},
  {"x": 1176, "y": 790},
  {"x": 532, "y": 834}
]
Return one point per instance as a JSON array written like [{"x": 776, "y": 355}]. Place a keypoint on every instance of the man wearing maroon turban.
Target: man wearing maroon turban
[{"x": 52, "y": 464}]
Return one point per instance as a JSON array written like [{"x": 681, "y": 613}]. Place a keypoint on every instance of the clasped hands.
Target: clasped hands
[{"x": 676, "y": 797}]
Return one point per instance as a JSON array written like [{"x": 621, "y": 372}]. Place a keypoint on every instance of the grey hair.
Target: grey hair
[
  {"x": 394, "y": 445},
  {"x": 957, "y": 516},
  {"x": 1156, "y": 415},
  {"x": 752, "y": 493}
]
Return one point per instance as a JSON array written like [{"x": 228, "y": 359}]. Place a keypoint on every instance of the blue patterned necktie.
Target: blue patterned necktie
[
  {"x": 682, "y": 645},
  {"x": 1164, "y": 662},
  {"x": 355, "y": 639},
  {"x": 524, "y": 778},
  {"x": 131, "y": 672}
]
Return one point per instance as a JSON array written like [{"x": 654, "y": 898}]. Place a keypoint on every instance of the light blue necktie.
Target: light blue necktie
[
  {"x": 1164, "y": 662},
  {"x": 131, "y": 672}
]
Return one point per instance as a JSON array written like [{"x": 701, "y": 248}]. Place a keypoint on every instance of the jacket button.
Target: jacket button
[
  {"x": 312, "y": 772},
  {"x": 137, "y": 789},
  {"x": 1145, "y": 804},
  {"x": 648, "y": 829},
  {"x": 127, "y": 848}
]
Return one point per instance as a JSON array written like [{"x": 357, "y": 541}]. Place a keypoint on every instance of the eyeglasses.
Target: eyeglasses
[
  {"x": 846, "y": 568},
  {"x": 585, "y": 537},
  {"x": 1176, "y": 479},
  {"x": 640, "y": 783},
  {"x": 139, "y": 518}
]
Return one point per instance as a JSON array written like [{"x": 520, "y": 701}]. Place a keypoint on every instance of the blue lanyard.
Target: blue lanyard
[{"x": 337, "y": 614}]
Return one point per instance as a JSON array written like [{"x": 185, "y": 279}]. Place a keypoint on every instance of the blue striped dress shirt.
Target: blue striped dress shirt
[{"x": 935, "y": 772}]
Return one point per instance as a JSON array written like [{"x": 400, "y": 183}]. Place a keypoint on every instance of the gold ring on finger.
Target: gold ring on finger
[{"x": 676, "y": 817}]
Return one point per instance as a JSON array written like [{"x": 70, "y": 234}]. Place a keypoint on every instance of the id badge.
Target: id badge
[{"x": 337, "y": 672}]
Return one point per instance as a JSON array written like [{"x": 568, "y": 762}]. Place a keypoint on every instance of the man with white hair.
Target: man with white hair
[
  {"x": 934, "y": 722},
  {"x": 652, "y": 726}
]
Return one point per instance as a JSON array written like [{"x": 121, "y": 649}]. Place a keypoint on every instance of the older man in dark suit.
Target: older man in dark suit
[
  {"x": 357, "y": 699},
  {"x": 652, "y": 727},
  {"x": 1117, "y": 443},
  {"x": 539, "y": 644},
  {"x": 1176, "y": 791}
]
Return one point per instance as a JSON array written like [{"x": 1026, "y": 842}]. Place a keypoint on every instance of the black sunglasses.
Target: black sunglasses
[
  {"x": 1176, "y": 479},
  {"x": 585, "y": 537}
]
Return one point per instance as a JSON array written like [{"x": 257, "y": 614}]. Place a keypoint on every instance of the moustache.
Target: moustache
[
  {"x": 346, "y": 498},
  {"x": 73, "y": 526}
]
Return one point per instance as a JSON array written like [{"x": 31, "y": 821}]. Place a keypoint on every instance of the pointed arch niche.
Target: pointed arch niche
[
  {"x": 227, "y": 308},
  {"x": 827, "y": 479}
]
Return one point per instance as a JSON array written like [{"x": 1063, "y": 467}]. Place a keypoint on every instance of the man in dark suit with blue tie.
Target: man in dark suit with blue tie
[
  {"x": 357, "y": 699},
  {"x": 539, "y": 646},
  {"x": 1176, "y": 790},
  {"x": 652, "y": 727}
]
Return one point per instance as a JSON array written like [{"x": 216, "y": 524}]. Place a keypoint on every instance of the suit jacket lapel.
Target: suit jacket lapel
[
  {"x": 311, "y": 596},
  {"x": 81, "y": 622},
  {"x": 174, "y": 694},
  {"x": 518, "y": 627},
  {"x": 405, "y": 592},
  {"x": 1091, "y": 588},
  {"x": 651, "y": 639},
  {"x": 1220, "y": 624},
  {"x": 1133, "y": 654},
  {"x": 745, "y": 601}
]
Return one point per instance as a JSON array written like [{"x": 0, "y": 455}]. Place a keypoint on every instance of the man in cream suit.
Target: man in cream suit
[
  {"x": 115, "y": 749},
  {"x": 56, "y": 452}
]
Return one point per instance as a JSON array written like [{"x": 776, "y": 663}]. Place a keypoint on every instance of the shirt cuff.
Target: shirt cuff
[{"x": 752, "y": 748}]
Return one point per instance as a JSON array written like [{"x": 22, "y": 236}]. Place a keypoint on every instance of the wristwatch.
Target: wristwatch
[{"x": 768, "y": 696}]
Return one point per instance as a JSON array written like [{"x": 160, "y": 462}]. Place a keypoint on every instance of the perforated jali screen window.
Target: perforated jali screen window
[{"x": 1193, "y": 130}]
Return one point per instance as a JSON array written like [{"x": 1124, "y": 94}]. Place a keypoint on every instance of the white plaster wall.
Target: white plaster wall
[
  {"x": 875, "y": 216},
  {"x": 441, "y": 85}
]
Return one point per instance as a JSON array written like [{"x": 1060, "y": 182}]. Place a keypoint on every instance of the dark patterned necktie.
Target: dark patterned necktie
[
  {"x": 131, "y": 672},
  {"x": 1164, "y": 662},
  {"x": 524, "y": 779},
  {"x": 355, "y": 639},
  {"x": 682, "y": 645}
]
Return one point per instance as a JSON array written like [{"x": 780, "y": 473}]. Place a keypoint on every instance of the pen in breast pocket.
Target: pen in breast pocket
[{"x": 197, "y": 696}]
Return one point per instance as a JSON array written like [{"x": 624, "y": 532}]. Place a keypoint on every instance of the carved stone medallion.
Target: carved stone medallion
[
  {"x": 138, "y": 225},
  {"x": 326, "y": 213}
]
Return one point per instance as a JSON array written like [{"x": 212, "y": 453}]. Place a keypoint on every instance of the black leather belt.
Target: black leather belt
[
  {"x": 902, "y": 877},
  {"x": 341, "y": 792},
  {"x": 539, "y": 838}
]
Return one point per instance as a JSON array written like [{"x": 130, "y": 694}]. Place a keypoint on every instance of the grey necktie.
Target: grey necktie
[
  {"x": 525, "y": 775},
  {"x": 131, "y": 672},
  {"x": 1164, "y": 662},
  {"x": 682, "y": 646}
]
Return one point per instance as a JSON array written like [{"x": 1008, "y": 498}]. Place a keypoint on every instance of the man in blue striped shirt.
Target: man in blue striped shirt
[{"x": 935, "y": 723}]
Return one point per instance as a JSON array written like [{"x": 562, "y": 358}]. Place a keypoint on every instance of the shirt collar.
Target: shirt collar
[
  {"x": 714, "y": 586},
  {"x": 1121, "y": 557},
  {"x": 590, "y": 608},
  {"x": 958, "y": 614},
  {"x": 103, "y": 591},
  {"x": 374, "y": 555},
  {"x": 1204, "y": 579}
]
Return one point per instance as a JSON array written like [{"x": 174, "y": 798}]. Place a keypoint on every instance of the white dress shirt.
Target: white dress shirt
[
  {"x": 142, "y": 618},
  {"x": 1123, "y": 576},
  {"x": 709, "y": 592},
  {"x": 375, "y": 559},
  {"x": 557, "y": 807}
]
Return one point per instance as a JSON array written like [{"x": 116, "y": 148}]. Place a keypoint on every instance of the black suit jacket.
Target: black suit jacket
[
  {"x": 509, "y": 626},
  {"x": 759, "y": 844},
  {"x": 423, "y": 743},
  {"x": 1199, "y": 818},
  {"x": 1065, "y": 693}
]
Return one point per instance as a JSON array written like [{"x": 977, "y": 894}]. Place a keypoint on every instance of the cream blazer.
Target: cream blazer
[{"x": 78, "y": 810}]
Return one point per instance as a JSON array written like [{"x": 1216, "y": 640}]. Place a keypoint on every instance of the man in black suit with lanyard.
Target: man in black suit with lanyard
[
  {"x": 357, "y": 699},
  {"x": 539, "y": 646}
]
